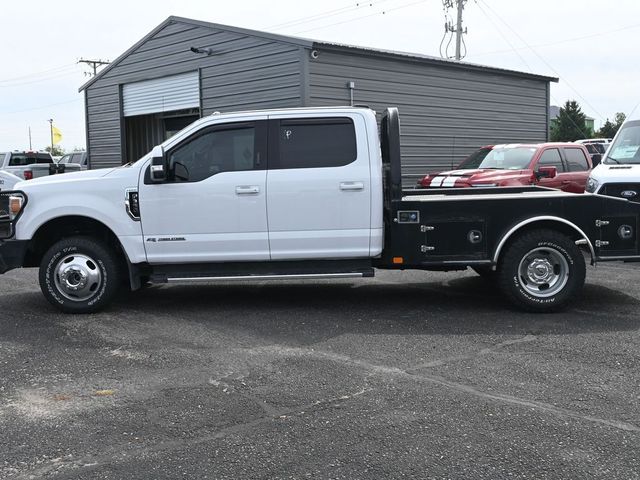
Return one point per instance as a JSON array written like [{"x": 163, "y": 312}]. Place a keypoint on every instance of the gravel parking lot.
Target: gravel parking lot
[{"x": 406, "y": 375}]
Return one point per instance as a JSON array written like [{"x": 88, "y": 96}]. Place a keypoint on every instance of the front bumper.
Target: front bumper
[{"x": 12, "y": 253}]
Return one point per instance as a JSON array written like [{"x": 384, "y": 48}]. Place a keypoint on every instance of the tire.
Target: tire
[
  {"x": 541, "y": 271},
  {"x": 486, "y": 272},
  {"x": 79, "y": 275}
]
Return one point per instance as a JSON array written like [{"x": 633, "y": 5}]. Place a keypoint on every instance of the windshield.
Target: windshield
[
  {"x": 475, "y": 159},
  {"x": 508, "y": 158},
  {"x": 625, "y": 148}
]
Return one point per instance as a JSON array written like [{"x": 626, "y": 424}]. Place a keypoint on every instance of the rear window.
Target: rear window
[
  {"x": 20, "y": 159},
  {"x": 576, "y": 160},
  {"x": 315, "y": 143}
]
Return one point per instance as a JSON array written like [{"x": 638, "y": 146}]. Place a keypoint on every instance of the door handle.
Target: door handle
[
  {"x": 247, "y": 190},
  {"x": 352, "y": 186},
  {"x": 566, "y": 182}
]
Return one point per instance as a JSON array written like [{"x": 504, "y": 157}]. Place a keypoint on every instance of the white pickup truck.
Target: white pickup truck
[
  {"x": 16, "y": 166},
  {"x": 297, "y": 194}
]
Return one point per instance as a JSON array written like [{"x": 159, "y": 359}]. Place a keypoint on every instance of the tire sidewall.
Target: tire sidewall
[
  {"x": 101, "y": 257},
  {"x": 512, "y": 283}
]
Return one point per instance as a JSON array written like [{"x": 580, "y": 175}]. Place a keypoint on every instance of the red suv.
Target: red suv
[{"x": 565, "y": 166}]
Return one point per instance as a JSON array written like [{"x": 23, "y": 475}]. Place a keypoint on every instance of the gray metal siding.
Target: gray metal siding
[
  {"x": 246, "y": 72},
  {"x": 445, "y": 112}
]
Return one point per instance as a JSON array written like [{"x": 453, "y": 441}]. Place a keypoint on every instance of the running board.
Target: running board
[{"x": 239, "y": 278}]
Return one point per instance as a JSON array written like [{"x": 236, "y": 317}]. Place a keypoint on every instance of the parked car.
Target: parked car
[
  {"x": 80, "y": 158},
  {"x": 565, "y": 166},
  {"x": 29, "y": 165},
  {"x": 595, "y": 140},
  {"x": 596, "y": 150}
]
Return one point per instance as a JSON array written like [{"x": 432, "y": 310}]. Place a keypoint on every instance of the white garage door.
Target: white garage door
[{"x": 165, "y": 94}]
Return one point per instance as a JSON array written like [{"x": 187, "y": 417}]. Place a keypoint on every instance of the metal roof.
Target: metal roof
[{"x": 315, "y": 44}]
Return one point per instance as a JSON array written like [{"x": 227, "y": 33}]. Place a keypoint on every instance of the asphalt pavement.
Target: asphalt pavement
[{"x": 405, "y": 375}]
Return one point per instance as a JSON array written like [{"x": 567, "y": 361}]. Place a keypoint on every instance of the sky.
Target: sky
[{"x": 590, "y": 45}]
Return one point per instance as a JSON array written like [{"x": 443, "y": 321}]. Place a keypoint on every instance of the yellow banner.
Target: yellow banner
[{"x": 56, "y": 135}]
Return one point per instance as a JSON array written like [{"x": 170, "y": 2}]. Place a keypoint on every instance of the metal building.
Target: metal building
[{"x": 185, "y": 69}]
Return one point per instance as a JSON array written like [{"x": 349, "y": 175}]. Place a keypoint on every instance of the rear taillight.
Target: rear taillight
[{"x": 28, "y": 175}]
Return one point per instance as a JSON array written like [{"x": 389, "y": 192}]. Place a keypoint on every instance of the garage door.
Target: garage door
[{"x": 166, "y": 94}]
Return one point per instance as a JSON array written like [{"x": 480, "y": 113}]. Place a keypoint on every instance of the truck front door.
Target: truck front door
[
  {"x": 318, "y": 187},
  {"x": 214, "y": 206}
]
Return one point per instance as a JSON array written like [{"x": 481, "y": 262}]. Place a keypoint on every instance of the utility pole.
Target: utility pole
[
  {"x": 459, "y": 31},
  {"x": 450, "y": 29},
  {"x": 51, "y": 130},
  {"x": 94, "y": 64}
]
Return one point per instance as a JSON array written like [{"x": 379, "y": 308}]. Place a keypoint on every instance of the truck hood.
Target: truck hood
[
  {"x": 67, "y": 179},
  {"x": 605, "y": 173},
  {"x": 460, "y": 178}
]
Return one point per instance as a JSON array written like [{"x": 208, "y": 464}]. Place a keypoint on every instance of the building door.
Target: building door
[{"x": 214, "y": 207}]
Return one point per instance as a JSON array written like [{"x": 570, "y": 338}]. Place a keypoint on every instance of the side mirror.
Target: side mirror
[
  {"x": 158, "y": 165},
  {"x": 546, "y": 172}
]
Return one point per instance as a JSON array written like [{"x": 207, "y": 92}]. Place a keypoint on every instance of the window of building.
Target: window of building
[{"x": 317, "y": 143}]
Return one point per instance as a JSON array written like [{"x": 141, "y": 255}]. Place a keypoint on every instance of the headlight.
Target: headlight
[
  {"x": 592, "y": 185},
  {"x": 15, "y": 205}
]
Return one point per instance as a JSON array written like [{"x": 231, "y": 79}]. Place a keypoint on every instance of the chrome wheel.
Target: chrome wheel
[
  {"x": 77, "y": 277},
  {"x": 543, "y": 272}
]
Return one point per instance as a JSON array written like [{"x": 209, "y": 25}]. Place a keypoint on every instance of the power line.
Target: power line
[
  {"x": 39, "y": 80},
  {"x": 383, "y": 12},
  {"x": 57, "y": 70},
  {"x": 543, "y": 60},
  {"x": 42, "y": 107},
  {"x": 566, "y": 40},
  {"x": 327, "y": 14},
  {"x": 504, "y": 37}
]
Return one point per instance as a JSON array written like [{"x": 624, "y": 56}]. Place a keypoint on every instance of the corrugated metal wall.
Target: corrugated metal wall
[
  {"x": 245, "y": 72},
  {"x": 445, "y": 112}
]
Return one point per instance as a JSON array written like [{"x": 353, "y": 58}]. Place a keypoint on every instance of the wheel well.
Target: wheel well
[
  {"x": 549, "y": 224},
  {"x": 69, "y": 226}
]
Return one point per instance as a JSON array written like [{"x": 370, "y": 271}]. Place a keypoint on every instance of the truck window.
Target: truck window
[
  {"x": 551, "y": 158},
  {"x": 216, "y": 151},
  {"x": 317, "y": 143},
  {"x": 576, "y": 160}
]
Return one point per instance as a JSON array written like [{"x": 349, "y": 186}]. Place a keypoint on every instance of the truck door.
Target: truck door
[
  {"x": 551, "y": 158},
  {"x": 578, "y": 166},
  {"x": 214, "y": 206},
  {"x": 318, "y": 187}
]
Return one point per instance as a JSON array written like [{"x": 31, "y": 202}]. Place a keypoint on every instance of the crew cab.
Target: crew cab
[
  {"x": 28, "y": 165},
  {"x": 564, "y": 166},
  {"x": 618, "y": 175},
  {"x": 229, "y": 198}
]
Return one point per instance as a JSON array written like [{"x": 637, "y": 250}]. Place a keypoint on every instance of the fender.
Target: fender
[
  {"x": 529, "y": 221},
  {"x": 97, "y": 207}
]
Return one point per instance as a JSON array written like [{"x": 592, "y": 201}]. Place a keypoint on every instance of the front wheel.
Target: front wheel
[
  {"x": 541, "y": 271},
  {"x": 79, "y": 275}
]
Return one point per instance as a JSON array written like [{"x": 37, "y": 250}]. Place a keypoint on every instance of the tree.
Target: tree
[
  {"x": 609, "y": 129},
  {"x": 56, "y": 152},
  {"x": 570, "y": 125}
]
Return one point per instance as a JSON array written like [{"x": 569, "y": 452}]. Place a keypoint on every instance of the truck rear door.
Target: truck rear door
[{"x": 318, "y": 187}]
